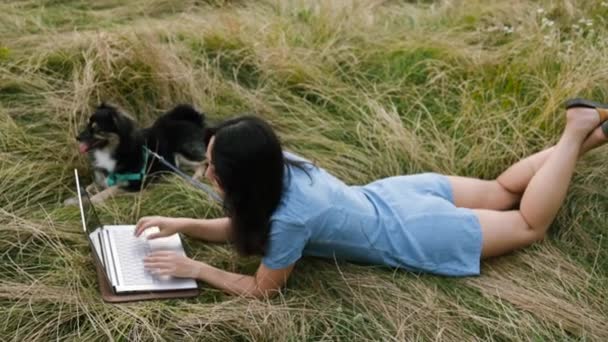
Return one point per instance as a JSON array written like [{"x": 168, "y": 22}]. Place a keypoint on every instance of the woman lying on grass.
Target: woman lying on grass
[{"x": 282, "y": 207}]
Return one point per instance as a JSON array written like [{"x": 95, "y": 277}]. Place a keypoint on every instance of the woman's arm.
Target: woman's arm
[
  {"x": 214, "y": 230},
  {"x": 265, "y": 282}
]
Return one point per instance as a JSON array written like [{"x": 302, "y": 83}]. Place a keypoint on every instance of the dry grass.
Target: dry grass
[{"x": 367, "y": 89}]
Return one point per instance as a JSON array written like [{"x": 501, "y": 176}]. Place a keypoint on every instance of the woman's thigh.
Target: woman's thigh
[
  {"x": 475, "y": 193},
  {"x": 503, "y": 232}
]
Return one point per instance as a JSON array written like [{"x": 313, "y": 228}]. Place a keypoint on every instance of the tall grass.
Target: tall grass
[{"x": 367, "y": 89}]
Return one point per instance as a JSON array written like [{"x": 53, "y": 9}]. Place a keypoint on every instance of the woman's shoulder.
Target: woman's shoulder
[
  {"x": 286, "y": 241},
  {"x": 292, "y": 156},
  {"x": 308, "y": 190},
  {"x": 298, "y": 180}
]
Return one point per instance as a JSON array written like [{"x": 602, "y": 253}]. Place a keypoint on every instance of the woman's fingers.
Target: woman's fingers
[
  {"x": 156, "y": 259},
  {"x": 170, "y": 263},
  {"x": 159, "y": 256},
  {"x": 141, "y": 225},
  {"x": 157, "y": 235},
  {"x": 161, "y": 253},
  {"x": 154, "y": 265},
  {"x": 144, "y": 223},
  {"x": 165, "y": 272},
  {"x": 161, "y": 270}
]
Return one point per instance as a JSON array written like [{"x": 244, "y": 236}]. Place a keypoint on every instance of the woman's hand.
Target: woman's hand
[
  {"x": 265, "y": 282},
  {"x": 167, "y": 226},
  {"x": 166, "y": 263}
]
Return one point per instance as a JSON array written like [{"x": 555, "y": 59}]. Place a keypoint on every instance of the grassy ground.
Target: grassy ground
[{"x": 367, "y": 89}]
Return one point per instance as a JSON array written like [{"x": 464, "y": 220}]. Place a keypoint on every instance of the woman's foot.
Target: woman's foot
[
  {"x": 597, "y": 138},
  {"x": 581, "y": 121},
  {"x": 601, "y": 108}
]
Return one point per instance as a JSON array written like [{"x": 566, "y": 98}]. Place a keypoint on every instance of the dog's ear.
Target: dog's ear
[
  {"x": 104, "y": 105},
  {"x": 123, "y": 123}
]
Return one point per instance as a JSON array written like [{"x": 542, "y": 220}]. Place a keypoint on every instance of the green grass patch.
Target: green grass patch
[{"x": 366, "y": 90}]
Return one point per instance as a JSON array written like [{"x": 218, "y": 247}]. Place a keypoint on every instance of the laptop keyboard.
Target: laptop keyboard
[{"x": 131, "y": 254}]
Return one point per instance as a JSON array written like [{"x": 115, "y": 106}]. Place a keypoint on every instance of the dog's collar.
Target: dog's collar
[{"x": 115, "y": 177}]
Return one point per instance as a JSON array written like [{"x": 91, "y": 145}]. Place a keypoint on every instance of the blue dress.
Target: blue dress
[{"x": 407, "y": 222}]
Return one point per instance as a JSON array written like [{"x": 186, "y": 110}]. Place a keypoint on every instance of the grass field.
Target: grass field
[{"x": 367, "y": 89}]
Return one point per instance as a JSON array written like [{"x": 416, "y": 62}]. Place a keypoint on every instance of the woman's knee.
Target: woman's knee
[
  {"x": 532, "y": 233},
  {"x": 502, "y": 197},
  {"x": 481, "y": 194}
]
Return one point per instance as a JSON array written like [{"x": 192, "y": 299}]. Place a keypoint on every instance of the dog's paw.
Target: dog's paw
[
  {"x": 92, "y": 188},
  {"x": 70, "y": 201}
]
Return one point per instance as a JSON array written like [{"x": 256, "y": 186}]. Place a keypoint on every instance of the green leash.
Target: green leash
[
  {"x": 115, "y": 177},
  {"x": 201, "y": 186}
]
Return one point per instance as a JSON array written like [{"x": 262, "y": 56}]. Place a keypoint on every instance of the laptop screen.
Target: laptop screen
[
  {"x": 90, "y": 222},
  {"x": 90, "y": 219}
]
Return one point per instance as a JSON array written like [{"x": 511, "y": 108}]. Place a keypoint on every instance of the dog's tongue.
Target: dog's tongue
[{"x": 83, "y": 147}]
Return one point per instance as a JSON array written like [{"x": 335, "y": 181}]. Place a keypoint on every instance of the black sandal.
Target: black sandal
[{"x": 601, "y": 108}]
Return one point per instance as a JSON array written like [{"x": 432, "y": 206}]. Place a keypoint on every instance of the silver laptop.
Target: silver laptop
[{"x": 121, "y": 254}]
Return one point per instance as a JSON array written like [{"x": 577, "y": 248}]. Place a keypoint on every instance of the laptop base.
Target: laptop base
[{"x": 110, "y": 297}]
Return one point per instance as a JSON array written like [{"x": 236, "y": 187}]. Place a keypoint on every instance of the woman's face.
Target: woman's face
[{"x": 210, "y": 169}]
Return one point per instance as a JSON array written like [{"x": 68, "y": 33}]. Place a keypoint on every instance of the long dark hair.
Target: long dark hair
[{"x": 249, "y": 164}]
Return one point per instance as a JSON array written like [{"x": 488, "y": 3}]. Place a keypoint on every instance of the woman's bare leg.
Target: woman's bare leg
[
  {"x": 505, "y": 231},
  {"x": 516, "y": 178},
  {"x": 505, "y": 191}
]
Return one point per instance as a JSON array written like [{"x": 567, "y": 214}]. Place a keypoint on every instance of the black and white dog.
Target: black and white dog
[{"x": 115, "y": 147}]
